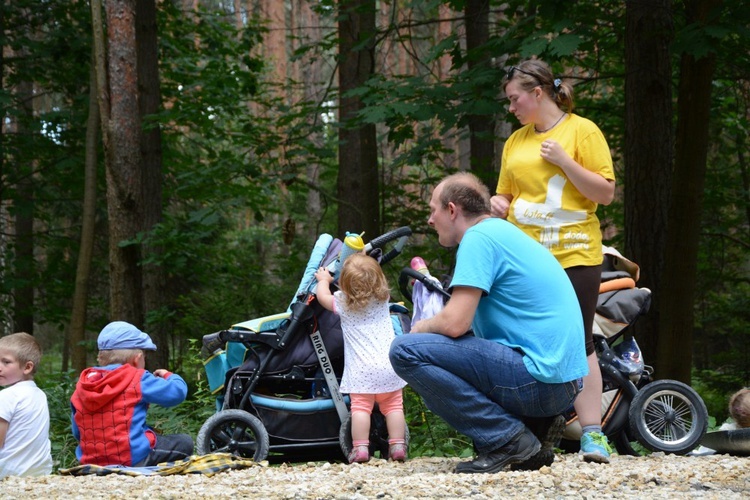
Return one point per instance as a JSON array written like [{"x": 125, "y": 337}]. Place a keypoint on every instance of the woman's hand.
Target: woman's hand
[
  {"x": 499, "y": 205},
  {"x": 553, "y": 152},
  {"x": 590, "y": 184}
]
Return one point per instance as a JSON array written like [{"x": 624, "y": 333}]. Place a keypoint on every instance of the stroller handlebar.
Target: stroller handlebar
[
  {"x": 401, "y": 234},
  {"x": 429, "y": 283}
]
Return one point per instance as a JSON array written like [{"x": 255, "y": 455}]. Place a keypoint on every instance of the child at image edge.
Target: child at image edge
[
  {"x": 362, "y": 305},
  {"x": 739, "y": 410},
  {"x": 110, "y": 402},
  {"x": 24, "y": 416}
]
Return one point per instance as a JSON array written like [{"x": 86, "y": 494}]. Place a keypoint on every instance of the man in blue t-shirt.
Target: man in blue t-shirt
[{"x": 526, "y": 356}]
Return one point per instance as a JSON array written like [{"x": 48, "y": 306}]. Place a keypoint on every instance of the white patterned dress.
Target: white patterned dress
[{"x": 368, "y": 334}]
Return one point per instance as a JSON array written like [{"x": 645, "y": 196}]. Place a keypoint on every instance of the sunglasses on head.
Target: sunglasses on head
[{"x": 513, "y": 69}]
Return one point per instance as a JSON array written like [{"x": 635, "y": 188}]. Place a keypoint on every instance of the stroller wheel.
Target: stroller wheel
[
  {"x": 378, "y": 435},
  {"x": 236, "y": 432},
  {"x": 668, "y": 416}
]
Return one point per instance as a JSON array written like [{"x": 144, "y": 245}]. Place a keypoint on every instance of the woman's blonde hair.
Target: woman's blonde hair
[
  {"x": 739, "y": 407},
  {"x": 117, "y": 356},
  {"x": 361, "y": 280}
]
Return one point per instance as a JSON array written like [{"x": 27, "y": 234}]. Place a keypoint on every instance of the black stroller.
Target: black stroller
[
  {"x": 277, "y": 378},
  {"x": 661, "y": 415}
]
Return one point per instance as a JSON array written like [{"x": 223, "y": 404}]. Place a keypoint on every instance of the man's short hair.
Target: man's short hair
[
  {"x": 24, "y": 348},
  {"x": 465, "y": 190}
]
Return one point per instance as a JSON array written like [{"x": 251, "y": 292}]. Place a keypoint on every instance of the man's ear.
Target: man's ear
[{"x": 452, "y": 209}]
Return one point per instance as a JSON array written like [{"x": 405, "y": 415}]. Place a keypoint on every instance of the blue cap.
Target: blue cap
[{"x": 122, "y": 335}]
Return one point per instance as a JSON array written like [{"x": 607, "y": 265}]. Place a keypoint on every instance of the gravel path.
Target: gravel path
[{"x": 657, "y": 476}]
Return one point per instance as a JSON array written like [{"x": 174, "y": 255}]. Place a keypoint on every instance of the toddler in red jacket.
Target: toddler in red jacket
[{"x": 110, "y": 402}]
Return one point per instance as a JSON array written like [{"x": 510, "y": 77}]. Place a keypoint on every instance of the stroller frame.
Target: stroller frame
[
  {"x": 254, "y": 420},
  {"x": 661, "y": 415}
]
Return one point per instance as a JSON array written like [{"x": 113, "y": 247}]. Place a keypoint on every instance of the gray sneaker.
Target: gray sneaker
[{"x": 523, "y": 446}]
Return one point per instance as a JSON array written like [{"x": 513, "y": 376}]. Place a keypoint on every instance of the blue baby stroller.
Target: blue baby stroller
[
  {"x": 661, "y": 415},
  {"x": 276, "y": 378}
]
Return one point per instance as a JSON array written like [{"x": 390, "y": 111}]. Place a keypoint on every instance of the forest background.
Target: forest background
[{"x": 171, "y": 163}]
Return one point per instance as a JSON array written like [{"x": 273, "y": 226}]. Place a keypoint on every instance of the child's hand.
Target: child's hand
[
  {"x": 322, "y": 274},
  {"x": 161, "y": 373}
]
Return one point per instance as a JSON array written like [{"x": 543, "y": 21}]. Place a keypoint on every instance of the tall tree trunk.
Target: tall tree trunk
[
  {"x": 24, "y": 264},
  {"x": 77, "y": 329},
  {"x": 358, "y": 181},
  {"x": 481, "y": 127},
  {"x": 675, "y": 346},
  {"x": 124, "y": 177},
  {"x": 648, "y": 150},
  {"x": 155, "y": 289}
]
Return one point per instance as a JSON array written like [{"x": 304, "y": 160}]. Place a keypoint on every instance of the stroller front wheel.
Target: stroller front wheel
[
  {"x": 234, "y": 431},
  {"x": 668, "y": 416}
]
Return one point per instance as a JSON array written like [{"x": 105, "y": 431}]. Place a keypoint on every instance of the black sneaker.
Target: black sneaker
[
  {"x": 523, "y": 446},
  {"x": 549, "y": 431}
]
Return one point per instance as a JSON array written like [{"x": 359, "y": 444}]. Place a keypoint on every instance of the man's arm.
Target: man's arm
[{"x": 456, "y": 317}]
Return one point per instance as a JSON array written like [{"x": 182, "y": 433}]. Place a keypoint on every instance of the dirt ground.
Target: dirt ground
[{"x": 657, "y": 476}]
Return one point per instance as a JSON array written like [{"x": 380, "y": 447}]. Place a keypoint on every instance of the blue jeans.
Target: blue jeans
[{"x": 479, "y": 387}]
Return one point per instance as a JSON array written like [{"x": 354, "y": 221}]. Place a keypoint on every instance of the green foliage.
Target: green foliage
[
  {"x": 715, "y": 388},
  {"x": 59, "y": 387},
  {"x": 429, "y": 435},
  {"x": 44, "y": 100}
]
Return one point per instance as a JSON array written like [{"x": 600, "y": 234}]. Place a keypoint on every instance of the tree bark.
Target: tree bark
[
  {"x": 155, "y": 290},
  {"x": 648, "y": 150},
  {"x": 675, "y": 345},
  {"x": 358, "y": 180},
  {"x": 77, "y": 329},
  {"x": 481, "y": 127},
  {"x": 24, "y": 265},
  {"x": 124, "y": 178}
]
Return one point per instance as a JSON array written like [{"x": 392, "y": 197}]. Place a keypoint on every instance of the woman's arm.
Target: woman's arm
[{"x": 590, "y": 184}]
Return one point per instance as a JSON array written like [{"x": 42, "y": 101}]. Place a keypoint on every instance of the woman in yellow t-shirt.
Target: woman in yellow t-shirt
[{"x": 555, "y": 171}]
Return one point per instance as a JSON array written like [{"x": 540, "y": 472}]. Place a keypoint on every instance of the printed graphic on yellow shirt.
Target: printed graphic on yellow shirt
[{"x": 550, "y": 217}]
